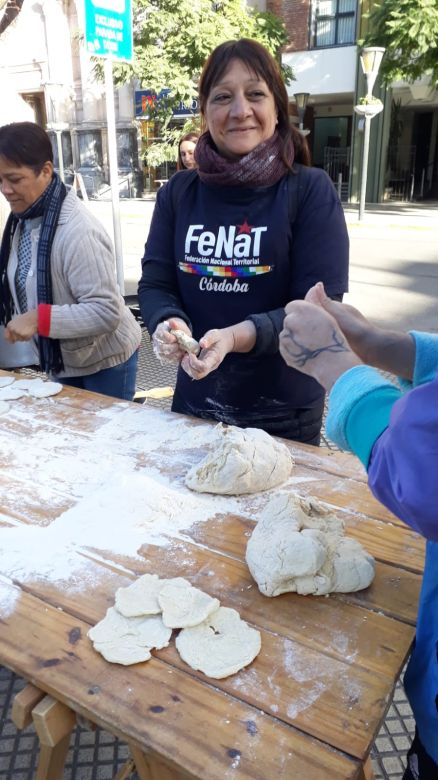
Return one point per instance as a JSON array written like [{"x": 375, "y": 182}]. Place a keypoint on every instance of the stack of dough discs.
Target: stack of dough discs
[
  {"x": 127, "y": 641},
  {"x": 213, "y": 639}
]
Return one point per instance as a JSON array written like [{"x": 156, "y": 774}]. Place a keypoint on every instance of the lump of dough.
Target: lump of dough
[
  {"x": 45, "y": 389},
  {"x": 140, "y": 598},
  {"x": 221, "y": 645},
  {"x": 147, "y": 632},
  {"x": 299, "y": 546},
  {"x": 183, "y": 605},
  {"x": 186, "y": 342},
  {"x": 241, "y": 460},
  {"x": 353, "y": 567}
]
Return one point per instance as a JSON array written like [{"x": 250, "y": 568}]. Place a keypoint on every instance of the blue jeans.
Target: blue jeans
[{"x": 118, "y": 381}]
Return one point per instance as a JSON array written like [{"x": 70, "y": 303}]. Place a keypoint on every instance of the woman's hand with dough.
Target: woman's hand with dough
[
  {"x": 23, "y": 327},
  {"x": 215, "y": 345},
  {"x": 165, "y": 344}
]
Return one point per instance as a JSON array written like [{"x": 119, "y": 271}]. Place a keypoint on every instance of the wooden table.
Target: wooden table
[{"x": 72, "y": 469}]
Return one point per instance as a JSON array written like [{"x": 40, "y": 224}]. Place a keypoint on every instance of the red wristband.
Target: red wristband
[{"x": 44, "y": 317}]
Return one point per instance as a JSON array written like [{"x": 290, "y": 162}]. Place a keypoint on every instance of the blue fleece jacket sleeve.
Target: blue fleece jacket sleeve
[{"x": 359, "y": 408}]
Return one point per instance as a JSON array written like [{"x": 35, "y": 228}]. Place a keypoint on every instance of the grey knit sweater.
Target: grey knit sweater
[{"x": 88, "y": 315}]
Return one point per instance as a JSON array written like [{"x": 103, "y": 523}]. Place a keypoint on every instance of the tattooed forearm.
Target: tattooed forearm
[{"x": 304, "y": 354}]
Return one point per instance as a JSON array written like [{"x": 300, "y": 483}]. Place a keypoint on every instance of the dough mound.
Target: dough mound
[
  {"x": 183, "y": 605},
  {"x": 186, "y": 342},
  {"x": 298, "y": 546},
  {"x": 241, "y": 460},
  {"x": 221, "y": 645},
  {"x": 140, "y": 598}
]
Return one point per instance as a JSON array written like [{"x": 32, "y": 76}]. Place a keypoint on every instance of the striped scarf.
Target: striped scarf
[
  {"x": 261, "y": 167},
  {"x": 48, "y": 205}
]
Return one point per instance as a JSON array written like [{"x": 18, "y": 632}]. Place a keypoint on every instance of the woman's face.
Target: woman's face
[
  {"x": 21, "y": 186},
  {"x": 187, "y": 151},
  {"x": 240, "y": 111}
]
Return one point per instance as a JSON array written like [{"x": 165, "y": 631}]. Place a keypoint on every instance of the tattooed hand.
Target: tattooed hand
[{"x": 312, "y": 342}]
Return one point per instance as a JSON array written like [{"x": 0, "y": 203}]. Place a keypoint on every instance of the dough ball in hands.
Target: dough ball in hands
[
  {"x": 183, "y": 605},
  {"x": 241, "y": 460},
  {"x": 221, "y": 645},
  {"x": 299, "y": 546},
  {"x": 186, "y": 342}
]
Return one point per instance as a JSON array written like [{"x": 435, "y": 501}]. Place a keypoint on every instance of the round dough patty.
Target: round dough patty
[{"x": 221, "y": 645}]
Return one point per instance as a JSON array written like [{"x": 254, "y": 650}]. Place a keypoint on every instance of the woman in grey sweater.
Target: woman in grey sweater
[{"x": 60, "y": 304}]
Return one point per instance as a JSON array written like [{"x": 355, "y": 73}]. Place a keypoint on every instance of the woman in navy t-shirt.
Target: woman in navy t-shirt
[{"x": 232, "y": 242}]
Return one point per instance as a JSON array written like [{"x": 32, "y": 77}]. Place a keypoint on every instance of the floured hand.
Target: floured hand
[
  {"x": 165, "y": 343},
  {"x": 215, "y": 345}
]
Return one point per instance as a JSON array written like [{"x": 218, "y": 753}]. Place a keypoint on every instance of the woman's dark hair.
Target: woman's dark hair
[
  {"x": 187, "y": 137},
  {"x": 25, "y": 143},
  {"x": 260, "y": 61}
]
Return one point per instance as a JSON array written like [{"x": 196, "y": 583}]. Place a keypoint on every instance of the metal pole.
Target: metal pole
[
  {"x": 60, "y": 155},
  {"x": 113, "y": 170},
  {"x": 363, "y": 181}
]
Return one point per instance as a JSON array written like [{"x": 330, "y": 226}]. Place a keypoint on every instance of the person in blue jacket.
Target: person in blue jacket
[
  {"x": 394, "y": 431},
  {"x": 232, "y": 242}
]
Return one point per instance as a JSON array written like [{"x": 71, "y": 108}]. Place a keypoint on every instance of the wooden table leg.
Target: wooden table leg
[
  {"x": 23, "y": 704},
  {"x": 126, "y": 770},
  {"x": 151, "y": 768},
  {"x": 53, "y": 723},
  {"x": 366, "y": 772}
]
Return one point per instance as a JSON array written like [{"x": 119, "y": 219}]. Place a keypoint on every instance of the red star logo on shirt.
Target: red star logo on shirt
[{"x": 245, "y": 228}]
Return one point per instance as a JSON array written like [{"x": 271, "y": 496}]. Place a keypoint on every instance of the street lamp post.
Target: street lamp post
[
  {"x": 301, "y": 99},
  {"x": 370, "y": 59}
]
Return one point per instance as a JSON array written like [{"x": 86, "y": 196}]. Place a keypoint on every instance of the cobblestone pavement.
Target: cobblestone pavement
[{"x": 96, "y": 755}]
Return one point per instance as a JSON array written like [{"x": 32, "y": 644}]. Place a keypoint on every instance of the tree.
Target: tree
[
  {"x": 408, "y": 29},
  {"x": 172, "y": 40},
  {"x": 11, "y": 9}
]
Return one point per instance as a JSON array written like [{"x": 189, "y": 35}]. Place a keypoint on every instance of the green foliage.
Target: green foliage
[
  {"x": 408, "y": 29},
  {"x": 370, "y": 100},
  {"x": 173, "y": 38}
]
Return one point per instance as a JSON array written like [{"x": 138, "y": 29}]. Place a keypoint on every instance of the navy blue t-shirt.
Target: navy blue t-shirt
[{"x": 218, "y": 255}]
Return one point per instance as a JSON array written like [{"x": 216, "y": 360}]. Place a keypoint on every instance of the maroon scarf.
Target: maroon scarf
[{"x": 262, "y": 167}]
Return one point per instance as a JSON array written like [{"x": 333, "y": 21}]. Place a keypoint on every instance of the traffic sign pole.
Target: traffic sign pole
[
  {"x": 108, "y": 34},
  {"x": 114, "y": 171}
]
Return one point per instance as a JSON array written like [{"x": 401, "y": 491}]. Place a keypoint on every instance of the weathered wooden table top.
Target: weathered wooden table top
[{"x": 92, "y": 495}]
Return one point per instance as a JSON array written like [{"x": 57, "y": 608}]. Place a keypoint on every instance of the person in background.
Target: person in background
[
  {"x": 60, "y": 306},
  {"x": 232, "y": 241},
  {"x": 394, "y": 431},
  {"x": 186, "y": 151}
]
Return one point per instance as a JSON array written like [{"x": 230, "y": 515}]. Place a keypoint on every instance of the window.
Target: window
[{"x": 334, "y": 22}]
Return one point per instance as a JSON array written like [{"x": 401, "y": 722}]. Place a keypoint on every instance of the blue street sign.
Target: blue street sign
[{"x": 108, "y": 29}]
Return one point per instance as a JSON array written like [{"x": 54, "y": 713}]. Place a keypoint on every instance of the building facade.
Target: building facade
[
  {"x": 47, "y": 76},
  {"x": 322, "y": 50}
]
